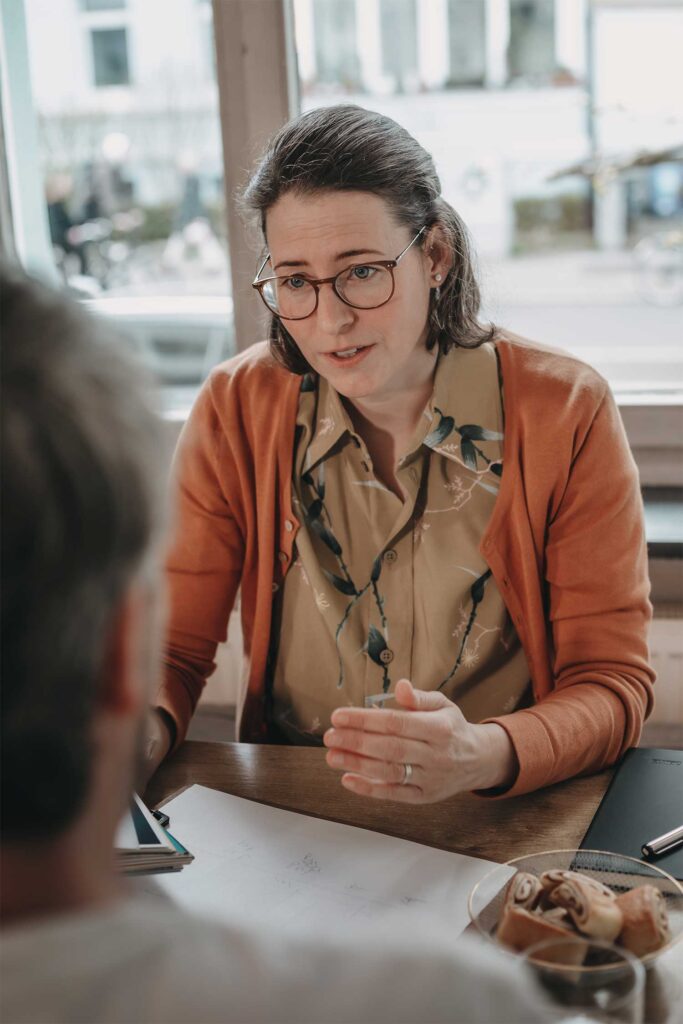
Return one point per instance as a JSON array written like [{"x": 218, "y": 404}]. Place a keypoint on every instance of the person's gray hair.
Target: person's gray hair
[
  {"x": 348, "y": 148},
  {"x": 84, "y": 490}
]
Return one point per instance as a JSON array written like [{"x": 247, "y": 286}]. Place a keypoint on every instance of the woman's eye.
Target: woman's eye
[
  {"x": 363, "y": 273},
  {"x": 295, "y": 283}
]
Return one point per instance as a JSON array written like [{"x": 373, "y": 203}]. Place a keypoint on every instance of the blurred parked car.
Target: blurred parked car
[{"x": 180, "y": 338}]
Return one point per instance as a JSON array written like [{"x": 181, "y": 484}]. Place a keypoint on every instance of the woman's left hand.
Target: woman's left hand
[{"x": 447, "y": 754}]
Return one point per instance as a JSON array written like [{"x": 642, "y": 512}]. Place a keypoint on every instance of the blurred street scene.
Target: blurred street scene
[{"x": 556, "y": 127}]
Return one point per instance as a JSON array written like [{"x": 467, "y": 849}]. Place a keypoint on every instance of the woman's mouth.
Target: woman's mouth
[{"x": 348, "y": 356}]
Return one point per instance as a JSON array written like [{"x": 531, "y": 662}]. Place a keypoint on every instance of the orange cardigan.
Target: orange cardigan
[{"x": 565, "y": 544}]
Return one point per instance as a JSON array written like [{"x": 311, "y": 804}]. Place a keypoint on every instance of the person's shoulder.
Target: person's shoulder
[
  {"x": 180, "y": 967},
  {"x": 253, "y": 380},
  {"x": 251, "y": 385},
  {"x": 371, "y": 974},
  {"x": 255, "y": 365},
  {"x": 541, "y": 371}
]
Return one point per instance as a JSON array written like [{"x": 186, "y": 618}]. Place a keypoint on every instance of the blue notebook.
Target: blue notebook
[{"x": 644, "y": 800}]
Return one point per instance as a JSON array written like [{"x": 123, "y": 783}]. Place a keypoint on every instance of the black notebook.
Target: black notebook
[{"x": 644, "y": 800}]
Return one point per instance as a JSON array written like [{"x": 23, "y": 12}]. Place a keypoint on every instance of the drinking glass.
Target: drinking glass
[{"x": 588, "y": 980}]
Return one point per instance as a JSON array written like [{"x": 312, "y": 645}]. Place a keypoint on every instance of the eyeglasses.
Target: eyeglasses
[{"x": 362, "y": 285}]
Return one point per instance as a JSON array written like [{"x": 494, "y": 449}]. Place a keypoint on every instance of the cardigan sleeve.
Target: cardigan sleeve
[
  {"x": 597, "y": 599},
  {"x": 204, "y": 565}
]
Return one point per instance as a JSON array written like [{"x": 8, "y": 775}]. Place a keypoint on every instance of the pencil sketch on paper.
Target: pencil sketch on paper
[
  {"x": 306, "y": 865},
  {"x": 291, "y": 866}
]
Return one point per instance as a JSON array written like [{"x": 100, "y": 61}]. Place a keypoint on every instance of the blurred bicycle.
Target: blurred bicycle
[
  {"x": 659, "y": 267},
  {"x": 99, "y": 252}
]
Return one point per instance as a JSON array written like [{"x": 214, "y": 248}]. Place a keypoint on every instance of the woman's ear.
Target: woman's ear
[{"x": 439, "y": 255}]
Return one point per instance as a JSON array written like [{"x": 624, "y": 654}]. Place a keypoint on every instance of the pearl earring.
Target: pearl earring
[{"x": 438, "y": 277}]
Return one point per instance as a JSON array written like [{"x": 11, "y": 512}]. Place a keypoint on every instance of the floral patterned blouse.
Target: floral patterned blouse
[{"x": 381, "y": 588}]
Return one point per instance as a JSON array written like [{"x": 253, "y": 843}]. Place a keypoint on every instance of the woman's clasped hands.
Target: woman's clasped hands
[{"x": 421, "y": 752}]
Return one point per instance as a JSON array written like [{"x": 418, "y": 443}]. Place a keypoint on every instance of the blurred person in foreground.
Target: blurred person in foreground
[
  {"x": 435, "y": 525},
  {"x": 82, "y": 620}
]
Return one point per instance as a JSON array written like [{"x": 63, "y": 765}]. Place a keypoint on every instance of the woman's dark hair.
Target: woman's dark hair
[{"x": 349, "y": 148}]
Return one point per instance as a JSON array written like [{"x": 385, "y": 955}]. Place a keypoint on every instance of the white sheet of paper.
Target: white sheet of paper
[{"x": 250, "y": 856}]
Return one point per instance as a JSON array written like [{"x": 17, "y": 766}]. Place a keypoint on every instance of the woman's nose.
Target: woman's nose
[{"x": 333, "y": 316}]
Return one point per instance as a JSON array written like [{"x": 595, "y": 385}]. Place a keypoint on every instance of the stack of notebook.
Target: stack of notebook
[{"x": 144, "y": 847}]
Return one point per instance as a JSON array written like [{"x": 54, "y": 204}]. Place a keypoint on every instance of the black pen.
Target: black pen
[{"x": 663, "y": 844}]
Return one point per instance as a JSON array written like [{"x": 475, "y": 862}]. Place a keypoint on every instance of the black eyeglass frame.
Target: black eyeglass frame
[{"x": 389, "y": 265}]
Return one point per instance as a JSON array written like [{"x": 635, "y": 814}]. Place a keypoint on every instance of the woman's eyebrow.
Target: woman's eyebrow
[{"x": 347, "y": 254}]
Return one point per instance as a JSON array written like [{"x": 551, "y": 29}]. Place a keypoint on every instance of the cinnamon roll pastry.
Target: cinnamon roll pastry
[
  {"x": 520, "y": 928},
  {"x": 558, "y": 915},
  {"x": 551, "y": 879},
  {"x": 646, "y": 922},
  {"x": 592, "y": 906},
  {"x": 524, "y": 890}
]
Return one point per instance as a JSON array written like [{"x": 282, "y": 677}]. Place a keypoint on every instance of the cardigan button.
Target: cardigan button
[
  {"x": 283, "y": 556},
  {"x": 289, "y": 525},
  {"x": 386, "y": 656}
]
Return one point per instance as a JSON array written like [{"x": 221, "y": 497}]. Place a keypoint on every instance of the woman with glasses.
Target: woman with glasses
[{"x": 435, "y": 526}]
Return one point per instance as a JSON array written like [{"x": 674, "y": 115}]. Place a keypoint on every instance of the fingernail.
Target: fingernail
[
  {"x": 340, "y": 718},
  {"x": 328, "y": 738}
]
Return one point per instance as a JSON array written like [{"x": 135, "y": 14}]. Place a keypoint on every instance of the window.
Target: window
[
  {"x": 531, "y": 52},
  {"x": 336, "y": 55},
  {"x": 399, "y": 41},
  {"x": 133, "y": 182},
  {"x": 570, "y": 182},
  {"x": 102, "y": 5},
  {"x": 110, "y": 56},
  {"x": 578, "y": 234},
  {"x": 467, "y": 42}
]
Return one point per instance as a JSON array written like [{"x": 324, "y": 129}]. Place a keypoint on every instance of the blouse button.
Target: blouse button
[
  {"x": 289, "y": 525},
  {"x": 390, "y": 556},
  {"x": 386, "y": 656}
]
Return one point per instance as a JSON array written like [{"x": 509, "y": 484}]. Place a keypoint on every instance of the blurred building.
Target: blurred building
[
  {"x": 504, "y": 93},
  {"x": 494, "y": 89},
  {"x": 126, "y": 86}
]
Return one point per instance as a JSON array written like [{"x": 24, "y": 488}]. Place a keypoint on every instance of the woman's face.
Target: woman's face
[{"x": 318, "y": 236}]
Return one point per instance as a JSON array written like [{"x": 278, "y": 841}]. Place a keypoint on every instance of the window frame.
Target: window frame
[
  {"x": 257, "y": 83},
  {"x": 30, "y": 233}
]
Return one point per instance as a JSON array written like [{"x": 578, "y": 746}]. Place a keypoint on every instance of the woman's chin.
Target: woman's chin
[{"x": 348, "y": 387}]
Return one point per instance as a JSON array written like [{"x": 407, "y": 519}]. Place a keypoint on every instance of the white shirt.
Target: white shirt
[{"x": 144, "y": 961}]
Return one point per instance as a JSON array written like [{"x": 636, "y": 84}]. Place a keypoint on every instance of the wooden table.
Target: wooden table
[{"x": 298, "y": 779}]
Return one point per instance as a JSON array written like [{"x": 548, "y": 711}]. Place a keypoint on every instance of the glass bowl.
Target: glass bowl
[{"x": 614, "y": 870}]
